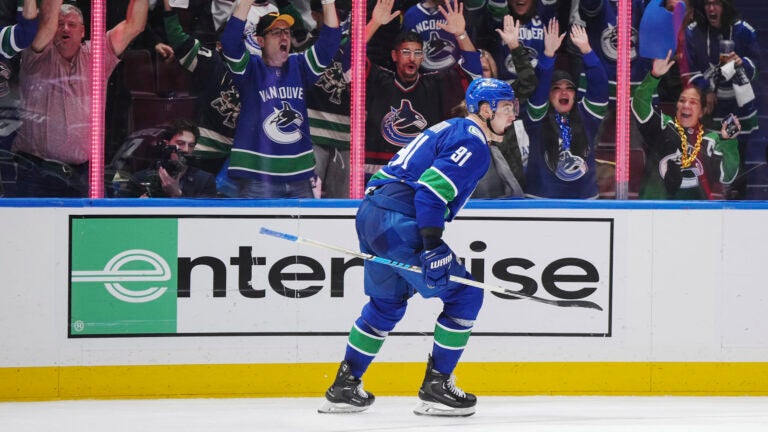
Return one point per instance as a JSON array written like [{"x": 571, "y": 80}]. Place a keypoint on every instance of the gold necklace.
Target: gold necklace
[{"x": 686, "y": 161}]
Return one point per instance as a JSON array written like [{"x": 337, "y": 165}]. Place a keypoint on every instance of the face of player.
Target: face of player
[
  {"x": 714, "y": 11},
  {"x": 408, "y": 57},
  {"x": 69, "y": 34},
  {"x": 562, "y": 96},
  {"x": 689, "y": 109},
  {"x": 505, "y": 115},
  {"x": 276, "y": 44},
  {"x": 184, "y": 142},
  {"x": 521, "y": 7}
]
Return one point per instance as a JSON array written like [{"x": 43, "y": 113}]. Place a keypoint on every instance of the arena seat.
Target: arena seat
[
  {"x": 138, "y": 71},
  {"x": 152, "y": 110},
  {"x": 171, "y": 79}
]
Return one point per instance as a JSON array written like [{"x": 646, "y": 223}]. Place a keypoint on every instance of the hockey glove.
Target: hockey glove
[
  {"x": 673, "y": 178},
  {"x": 436, "y": 266}
]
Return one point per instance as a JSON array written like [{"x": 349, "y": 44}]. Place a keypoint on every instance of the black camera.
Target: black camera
[
  {"x": 172, "y": 166},
  {"x": 731, "y": 128},
  {"x": 147, "y": 182}
]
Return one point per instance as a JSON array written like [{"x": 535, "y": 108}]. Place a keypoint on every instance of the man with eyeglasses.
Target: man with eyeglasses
[
  {"x": 272, "y": 153},
  {"x": 404, "y": 102}
]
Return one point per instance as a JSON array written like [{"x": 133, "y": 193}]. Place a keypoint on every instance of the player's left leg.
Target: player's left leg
[
  {"x": 439, "y": 394},
  {"x": 378, "y": 318}
]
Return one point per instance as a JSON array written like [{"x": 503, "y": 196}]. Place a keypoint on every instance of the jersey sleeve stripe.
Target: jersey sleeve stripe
[
  {"x": 189, "y": 60},
  {"x": 537, "y": 112},
  {"x": 597, "y": 110},
  {"x": 313, "y": 63},
  {"x": 439, "y": 184},
  {"x": 238, "y": 66}
]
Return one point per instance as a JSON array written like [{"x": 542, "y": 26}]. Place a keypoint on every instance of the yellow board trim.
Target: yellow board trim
[{"x": 385, "y": 379}]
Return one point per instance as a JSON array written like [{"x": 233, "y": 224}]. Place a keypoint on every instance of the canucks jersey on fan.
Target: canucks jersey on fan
[
  {"x": 272, "y": 140},
  {"x": 218, "y": 102},
  {"x": 440, "y": 48},
  {"x": 601, "y": 18}
]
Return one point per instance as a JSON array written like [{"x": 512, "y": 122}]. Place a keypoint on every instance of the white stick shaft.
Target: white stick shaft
[{"x": 417, "y": 269}]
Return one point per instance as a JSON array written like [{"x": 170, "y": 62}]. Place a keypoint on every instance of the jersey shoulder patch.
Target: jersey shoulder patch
[{"x": 474, "y": 130}]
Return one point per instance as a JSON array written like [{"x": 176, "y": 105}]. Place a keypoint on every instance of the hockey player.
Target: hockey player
[{"x": 402, "y": 218}]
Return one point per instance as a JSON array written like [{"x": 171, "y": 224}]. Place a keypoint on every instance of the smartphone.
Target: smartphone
[{"x": 731, "y": 128}]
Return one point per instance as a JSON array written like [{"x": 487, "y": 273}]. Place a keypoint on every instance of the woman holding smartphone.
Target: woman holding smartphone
[{"x": 682, "y": 161}]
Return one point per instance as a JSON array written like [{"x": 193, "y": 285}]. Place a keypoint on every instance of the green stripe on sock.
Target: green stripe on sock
[
  {"x": 451, "y": 338},
  {"x": 364, "y": 342}
]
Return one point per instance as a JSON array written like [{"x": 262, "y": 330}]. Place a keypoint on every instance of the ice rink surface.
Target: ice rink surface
[{"x": 494, "y": 414}]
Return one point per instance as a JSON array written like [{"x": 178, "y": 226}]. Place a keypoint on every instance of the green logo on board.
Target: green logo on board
[{"x": 123, "y": 276}]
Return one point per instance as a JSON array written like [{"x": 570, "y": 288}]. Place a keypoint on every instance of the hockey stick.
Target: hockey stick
[{"x": 417, "y": 269}]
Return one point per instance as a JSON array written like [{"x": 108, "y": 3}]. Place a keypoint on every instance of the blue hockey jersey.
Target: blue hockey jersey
[{"x": 444, "y": 165}]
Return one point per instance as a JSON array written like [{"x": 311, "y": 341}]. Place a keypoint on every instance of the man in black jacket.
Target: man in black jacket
[{"x": 171, "y": 175}]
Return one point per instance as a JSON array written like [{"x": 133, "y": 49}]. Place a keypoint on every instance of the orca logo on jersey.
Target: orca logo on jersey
[
  {"x": 609, "y": 42},
  {"x": 570, "y": 167},
  {"x": 438, "y": 53},
  {"x": 282, "y": 126},
  {"x": 401, "y": 125},
  {"x": 690, "y": 175}
]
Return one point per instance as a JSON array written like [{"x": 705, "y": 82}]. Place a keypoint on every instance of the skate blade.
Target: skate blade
[
  {"x": 329, "y": 407},
  {"x": 438, "y": 409}
]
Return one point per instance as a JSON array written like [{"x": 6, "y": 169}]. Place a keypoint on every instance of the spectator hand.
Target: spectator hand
[
  {"x": 454, "y": 18},
  {"x": 382, "y": 13},
  {"x": 436, "y": 266},
  {"x": 169, "y": 183},
  {"x": 552, "y": 38},
  {"x": 662, "y": 66},
  {"x": 730, "y": 130},
  {"x": 734, "y": 58},
  {"x": 165, "y": 52},
  {"x": 511, "y": 32},
  {"x": 580, "y": 39},
  {"x": 673, "y": 177}
]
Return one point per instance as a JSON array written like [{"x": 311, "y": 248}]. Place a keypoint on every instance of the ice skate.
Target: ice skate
[
  {"x": 346, "y": 394},
  {"x": 439, "y": 396}
]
